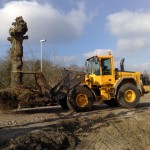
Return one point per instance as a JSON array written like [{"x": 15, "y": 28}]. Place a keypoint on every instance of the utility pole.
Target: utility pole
[{"x": 41, "y": 41}]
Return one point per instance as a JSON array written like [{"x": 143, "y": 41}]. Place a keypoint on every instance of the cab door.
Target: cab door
[{"x": 107, "y": 71}]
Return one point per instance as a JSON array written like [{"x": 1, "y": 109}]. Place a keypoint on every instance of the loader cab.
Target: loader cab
[{"x": 101, "y": 70}]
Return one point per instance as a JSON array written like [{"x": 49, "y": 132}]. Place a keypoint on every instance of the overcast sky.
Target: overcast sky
[{"x": 77, "y": 29}]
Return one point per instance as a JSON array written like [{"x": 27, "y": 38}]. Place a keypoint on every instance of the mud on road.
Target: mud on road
[{"x": 103, "y": 128}]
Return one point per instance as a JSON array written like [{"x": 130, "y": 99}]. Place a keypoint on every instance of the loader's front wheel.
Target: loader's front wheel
[
  {"x": 81, "y": 98},
  {"x": 128, "y": 96}
]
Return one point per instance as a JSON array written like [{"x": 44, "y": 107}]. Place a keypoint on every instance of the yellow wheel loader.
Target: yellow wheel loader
[{"x": 102, "y": 82}]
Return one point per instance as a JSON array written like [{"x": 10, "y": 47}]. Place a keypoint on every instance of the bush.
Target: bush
[{"x": 5, "y": 73}]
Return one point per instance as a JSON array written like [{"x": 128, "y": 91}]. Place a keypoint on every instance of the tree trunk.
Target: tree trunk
[{"x": 16, "y": 38}]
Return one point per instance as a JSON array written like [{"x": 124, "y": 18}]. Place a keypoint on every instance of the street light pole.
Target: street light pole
[{"x": 41, "y": 41}]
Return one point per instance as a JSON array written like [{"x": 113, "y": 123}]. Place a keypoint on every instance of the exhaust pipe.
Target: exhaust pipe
[{"x": 122, "y": 64}]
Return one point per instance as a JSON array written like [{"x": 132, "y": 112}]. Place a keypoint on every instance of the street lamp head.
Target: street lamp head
[{"x": 43, "y": 40}]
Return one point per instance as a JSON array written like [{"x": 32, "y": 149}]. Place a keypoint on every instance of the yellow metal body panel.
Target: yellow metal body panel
[
  {"x": 126, "y": 74},
  {"x": 146, "y": 88}
]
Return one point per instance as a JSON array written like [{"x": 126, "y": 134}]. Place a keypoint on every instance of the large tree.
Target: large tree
[{"x": 16, "y": 38}]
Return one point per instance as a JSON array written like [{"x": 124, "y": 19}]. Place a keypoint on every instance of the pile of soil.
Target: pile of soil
[
  {"x": 127, "y": 133},
  {"x": 43, "y": 139}
]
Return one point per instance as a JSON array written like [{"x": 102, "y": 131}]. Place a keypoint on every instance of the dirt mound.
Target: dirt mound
[
  {"x": 43, "y": 139},
  {"x": 128, "y": 133},
  {"x": 81, "y": 133}
]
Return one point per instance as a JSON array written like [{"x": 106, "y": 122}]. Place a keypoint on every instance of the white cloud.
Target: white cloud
[
  {"x": 44, "y": 21},
  {"x": 96, "y": 52},
  {"x": 131, "y": 28},
  {"x": 64, "y": 60},
  {"x": 139, "y": 67},
  {"x": 133, "y": 44}
]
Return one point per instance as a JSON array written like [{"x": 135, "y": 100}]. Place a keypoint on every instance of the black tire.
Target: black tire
[
  {"x": 128, "y": 96},
  {"x": 112, "y": 102},
  {"x": 63, "y": 103},
  {"x": 81, "y": 99}
]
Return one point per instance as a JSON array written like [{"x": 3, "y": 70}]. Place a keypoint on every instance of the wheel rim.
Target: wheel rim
[
  {"x": 130, "y": 96},
  {"x": 81, "y": 100}
]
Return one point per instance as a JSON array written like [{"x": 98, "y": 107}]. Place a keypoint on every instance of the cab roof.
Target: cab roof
[{"x": 101, "y": 56}]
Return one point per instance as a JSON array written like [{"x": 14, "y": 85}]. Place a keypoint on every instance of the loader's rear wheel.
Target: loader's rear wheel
[
  {"x": 63, "y": 103},
  {"x": 128, "y": 96},
  {"x": 81, "y": 98},
  {"x": 112, "y": 102}
]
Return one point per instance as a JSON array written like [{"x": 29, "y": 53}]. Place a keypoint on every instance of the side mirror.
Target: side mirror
[
  {"x": 86, "y": 63},
  {"x": 96, "y": 60},
  {"x": 86, "y": 66}
]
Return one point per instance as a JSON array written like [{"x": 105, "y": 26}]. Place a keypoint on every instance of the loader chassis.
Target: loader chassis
[{"x": 106, "y": 84}]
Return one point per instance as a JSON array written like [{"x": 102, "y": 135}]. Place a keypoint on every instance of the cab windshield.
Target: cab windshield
[{"x": 93, "y": 66}]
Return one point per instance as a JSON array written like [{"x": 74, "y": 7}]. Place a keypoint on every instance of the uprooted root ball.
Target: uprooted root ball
[{"x": 8, "y": 99}]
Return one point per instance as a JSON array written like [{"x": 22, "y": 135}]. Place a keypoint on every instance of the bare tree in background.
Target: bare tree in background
[{"x": 16, "y": 52}]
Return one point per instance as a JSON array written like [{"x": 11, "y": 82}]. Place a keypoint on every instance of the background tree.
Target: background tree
[{"x": 5, "y": 71}]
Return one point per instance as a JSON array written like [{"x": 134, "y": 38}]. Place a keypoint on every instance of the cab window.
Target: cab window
[{"x": 106, "y": 66}]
